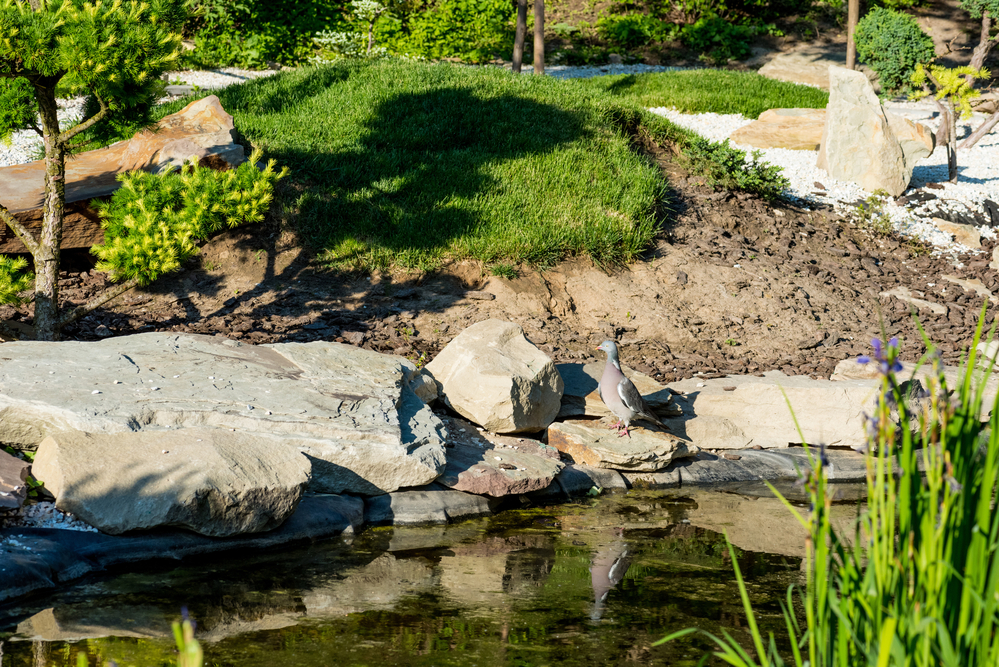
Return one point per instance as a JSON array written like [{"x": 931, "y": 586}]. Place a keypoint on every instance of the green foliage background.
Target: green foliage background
[{"x": 892, "y": 43}]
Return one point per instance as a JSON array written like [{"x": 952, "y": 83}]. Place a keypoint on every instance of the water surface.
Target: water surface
[{"x": 589, "y": 583}]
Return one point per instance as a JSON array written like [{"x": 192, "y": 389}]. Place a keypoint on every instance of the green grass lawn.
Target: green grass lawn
[
  {"x": 700, "y": 91},
  {"x": 413, "y": 164}
]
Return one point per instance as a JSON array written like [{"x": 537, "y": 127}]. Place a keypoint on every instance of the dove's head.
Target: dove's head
[{"x": 610, "y": 347}]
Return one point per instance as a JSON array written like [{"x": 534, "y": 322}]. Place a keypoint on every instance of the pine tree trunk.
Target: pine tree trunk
[
  {"x": 853, "y": 16},
  {"x": 53, "y": 211},
  {"x": 518, "y": 38},
  {"x": 539, "y": 36},
  {"x": 951, "y": 120},
  {"x": 985, "y": 44}
]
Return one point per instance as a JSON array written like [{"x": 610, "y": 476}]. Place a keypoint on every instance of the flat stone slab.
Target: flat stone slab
[
  {"x": 794, "y": 129},
  {"x": 785, "y": 465},
  {"x": 580, "y": 397},
  {"x": 495, "y": 465},
  {"x": 809, "y": 65},
  {"x": 915, "y": 298},
  {"x": 13, "y": 481},
  {"x": 595, "y": 443},
  {"x": 199, "y": 130},
  {"x": 746, "y": 411},
  {"x": 430, "y": 505},
  {"x": 43, "y": 558},
  {"x": 850, "y": 369},
  {"x": 213, "y": 481},
  {"x": 351, "y": 411}
]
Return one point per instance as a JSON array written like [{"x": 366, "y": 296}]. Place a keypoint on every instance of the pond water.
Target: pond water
[{"x": 589, "y": 583}]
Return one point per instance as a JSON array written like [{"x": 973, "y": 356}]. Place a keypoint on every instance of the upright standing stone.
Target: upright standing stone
[{"x": 859, "y": 142}]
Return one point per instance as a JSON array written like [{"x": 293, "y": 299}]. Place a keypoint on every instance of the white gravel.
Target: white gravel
[
  {"x": 587, "y": 71},
  {"x": 44, "y": 515},
  {"x": 26, "y": 145},
  {"x": 978, "y": 177}
]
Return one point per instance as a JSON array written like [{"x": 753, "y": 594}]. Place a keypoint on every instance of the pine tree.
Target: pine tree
[
  {"x": 116, "y": 52},
  {"x": 953, "y": 92},
  {"x": 988, "y": 12}
]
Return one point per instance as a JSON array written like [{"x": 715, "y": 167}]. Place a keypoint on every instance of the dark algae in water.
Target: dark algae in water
[{"x": 595, "y": 583}]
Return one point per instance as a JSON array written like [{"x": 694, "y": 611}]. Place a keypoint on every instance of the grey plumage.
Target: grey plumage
[{"x": 620, "y": 395}]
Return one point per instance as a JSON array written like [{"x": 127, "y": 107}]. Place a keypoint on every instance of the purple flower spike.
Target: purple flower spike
[
  {"x": 893, "y": 343},
  {"x": 876, "y": 344},
  {"x": 863, "y": 359}
]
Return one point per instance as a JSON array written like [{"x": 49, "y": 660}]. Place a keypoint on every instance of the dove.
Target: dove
[{"x": 620, "y": 395}]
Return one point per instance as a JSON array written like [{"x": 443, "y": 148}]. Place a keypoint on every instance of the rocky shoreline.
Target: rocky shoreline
[{"x": 177, "y": 446}]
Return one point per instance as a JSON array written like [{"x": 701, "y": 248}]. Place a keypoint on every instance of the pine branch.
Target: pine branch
[
  {"x": 19, "y": 230},
  {"x": 98, "y": 301},
  {"x": 87, "y": 124}
]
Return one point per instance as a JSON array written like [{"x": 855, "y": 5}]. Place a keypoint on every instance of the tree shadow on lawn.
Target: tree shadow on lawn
[
  {"x": 416, "y": 181},
  {"x": 419, "y": 178}
]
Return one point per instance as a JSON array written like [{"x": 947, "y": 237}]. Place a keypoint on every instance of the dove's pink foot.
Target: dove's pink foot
[{"x": 624, "y": 433}]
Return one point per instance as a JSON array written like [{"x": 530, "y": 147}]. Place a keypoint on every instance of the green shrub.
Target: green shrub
[
  {"x": 472, "y": 30},
  {"x": 251, "y": 33},
  {"x": 714, "y": 161},
  {"x": 892, "y": 43},
  {"x": 719, "y": 40},
  {"x": 633, "y": 30}
]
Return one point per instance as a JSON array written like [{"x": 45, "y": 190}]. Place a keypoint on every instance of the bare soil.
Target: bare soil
[{"x": 734, "y": 285}]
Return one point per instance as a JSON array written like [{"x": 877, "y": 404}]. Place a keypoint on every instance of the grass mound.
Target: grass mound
[
  {"x": 701, "y": 91},
  {"x": 413, "y": 164}
]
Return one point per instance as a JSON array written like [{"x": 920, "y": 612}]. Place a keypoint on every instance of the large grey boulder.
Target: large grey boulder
[
  {"x": 351, "y": 411},
  {"x": 212, "y": 481},
  {"x": 865, "y": 144},
  {"x": 492, "y": 375}
]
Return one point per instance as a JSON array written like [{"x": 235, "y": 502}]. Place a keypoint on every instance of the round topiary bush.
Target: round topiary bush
[{"x": 892, "y": 43}]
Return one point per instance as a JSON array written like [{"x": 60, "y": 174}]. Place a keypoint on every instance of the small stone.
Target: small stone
[
  {"x": 96, "y": 391},
  {"x": 726, "y": 388},
  {"x": 732, "y": 457},
  {"x": 154, "y": 388},
  {"x": 102, "y": 331}
]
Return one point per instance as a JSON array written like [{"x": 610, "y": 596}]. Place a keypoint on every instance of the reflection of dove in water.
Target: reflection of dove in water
[{"x": 610, "y": 564}]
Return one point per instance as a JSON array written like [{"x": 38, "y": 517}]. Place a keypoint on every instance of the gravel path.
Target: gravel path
[{"x": 978, "y": 178}]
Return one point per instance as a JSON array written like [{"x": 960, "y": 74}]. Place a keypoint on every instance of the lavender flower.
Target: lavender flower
[{"x": 885, "y": 356}]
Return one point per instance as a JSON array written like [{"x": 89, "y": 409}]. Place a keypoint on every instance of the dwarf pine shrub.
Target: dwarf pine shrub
[
  {"x": 152, "y": 221},
  {"x": 892, "y": 43}
]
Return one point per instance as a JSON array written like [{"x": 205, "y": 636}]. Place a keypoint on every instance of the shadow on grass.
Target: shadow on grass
[{"x": 415, "y": 183}]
